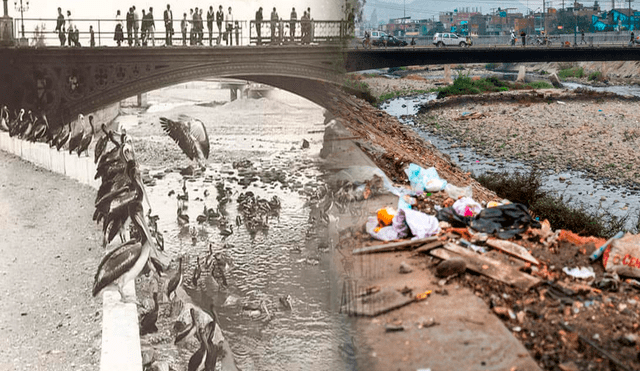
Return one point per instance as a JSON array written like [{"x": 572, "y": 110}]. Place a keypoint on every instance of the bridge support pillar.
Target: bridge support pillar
[
  {"x": 447, "y": 74},
  {"x": 521, "y": 73},
  {"x": 233, "y": 94},
  {"x": 142, "y": 100},
  {"x": 6, "y": 30}
]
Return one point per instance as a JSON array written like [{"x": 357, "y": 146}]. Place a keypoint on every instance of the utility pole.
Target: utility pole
[
  {"x": 629, "y": 27},
  {"x": 544, "y": 16},
  {"x": 575, "y": 29}
]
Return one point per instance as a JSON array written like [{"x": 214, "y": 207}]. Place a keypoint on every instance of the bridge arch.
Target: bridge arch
[{"x": 65, "y": 82}]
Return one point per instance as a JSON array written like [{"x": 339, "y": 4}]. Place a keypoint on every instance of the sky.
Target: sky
[{"x": 423, "y": 9}]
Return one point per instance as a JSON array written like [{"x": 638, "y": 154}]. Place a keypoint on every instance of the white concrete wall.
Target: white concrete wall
[{"x": 120, "y": 334}]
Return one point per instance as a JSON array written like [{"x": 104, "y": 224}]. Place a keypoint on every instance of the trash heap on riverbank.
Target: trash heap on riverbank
[{"x": 571, "y": 300}]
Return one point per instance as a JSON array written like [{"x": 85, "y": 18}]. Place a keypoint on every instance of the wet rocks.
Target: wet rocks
[
  {"x": 305, "y": 144},
  {"x": 405, "y": 268},
  {"x": 450, "y": 267},
  {"x": 628, "y": 340}
]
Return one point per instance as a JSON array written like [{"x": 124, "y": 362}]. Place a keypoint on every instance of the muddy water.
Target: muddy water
[
  {"x": 595, "y": 194},
  {"x": 283, "y": 259}
]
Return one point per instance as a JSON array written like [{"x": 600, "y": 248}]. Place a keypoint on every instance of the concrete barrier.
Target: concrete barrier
[{"x": 120, "y": 330}]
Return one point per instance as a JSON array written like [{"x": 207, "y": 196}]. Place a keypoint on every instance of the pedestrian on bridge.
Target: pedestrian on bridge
[
  {"x": 524, "y": 38},
  {"x": 259, "y": 25},
  {"x": 130, "y": 26},
  {"x": 229, "y": 27},
  {"x": 582, "y": 38},
  {"x": 274, "y": 21},
  {"x": 184, "y": 24},
  {"x": 118, "y": 35},
  {"x": 69, "y": 27},
  {"x": 151, "y": 27},
  {"x": 210, "y": 17},
  {"x": 60, "y": 27},
  {"x": 200, "y": 27},
  {"x": 219, "y": 20},
  {"x": 92, "y": 37},
  {"x": 143, "y": 28},
  {"x": 292, "y": 24},
  {"x": 136, "y": 25},
  {"x": 168, "y": 26}
]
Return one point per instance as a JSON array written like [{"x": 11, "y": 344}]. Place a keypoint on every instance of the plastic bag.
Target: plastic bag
[
  {"x": 421, "y": 225},
  {"x": 467, "y": 207},
  {"x": 422, "y": 180},
  {"x": 457, "y": 192},
  {"x": 361, "y": 174},
  {"x": 623, "y": 256},
  {"x": 397, "y": 230}
]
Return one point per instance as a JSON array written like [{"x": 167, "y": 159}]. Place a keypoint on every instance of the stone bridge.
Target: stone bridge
[{"x": 64, "y": 82}]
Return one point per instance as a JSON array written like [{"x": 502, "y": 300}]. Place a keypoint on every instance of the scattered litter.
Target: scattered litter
[
  {"x": 623, "y": 256},
  {"x": 457, "y": 192},
  {"x": 513, "y": 249},
  {"x": 580, "y": 272},
  {"x": 393, "y": 246},
  {"x": 476, "y": 248},
  {"x": 466, "y": 206},
  {"x": 406, "y": 222},
  {"x": 422, "y": 180},
  {"x": 393, "y": 328},
  {"x": 561, "y": 102}
]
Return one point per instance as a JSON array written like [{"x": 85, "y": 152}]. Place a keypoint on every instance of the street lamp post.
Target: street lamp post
[{"x": 22, "y": 8}]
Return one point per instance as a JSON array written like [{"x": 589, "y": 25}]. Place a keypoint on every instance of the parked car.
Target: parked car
[
  {"x": 389, "y": 40},
  {"x": 451, "y": 39}
]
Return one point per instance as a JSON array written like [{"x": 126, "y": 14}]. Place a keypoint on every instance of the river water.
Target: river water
[
  {"x": 288, "y": 258},
  {"x": 596, "y": 195}
]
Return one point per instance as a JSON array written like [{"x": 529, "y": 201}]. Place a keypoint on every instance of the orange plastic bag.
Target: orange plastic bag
[{"x": 573, "y": 238}]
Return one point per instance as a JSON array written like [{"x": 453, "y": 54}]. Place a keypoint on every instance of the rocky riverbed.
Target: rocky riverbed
[{"x": 552, "y": 129}]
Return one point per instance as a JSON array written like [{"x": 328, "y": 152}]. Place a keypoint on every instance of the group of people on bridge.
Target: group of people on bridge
[{"x": 140, "y": 31}]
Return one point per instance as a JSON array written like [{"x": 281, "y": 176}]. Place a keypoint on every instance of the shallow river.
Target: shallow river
[
  {"x": 593, "y": 194},
  {"x": 282, "y": 260}
]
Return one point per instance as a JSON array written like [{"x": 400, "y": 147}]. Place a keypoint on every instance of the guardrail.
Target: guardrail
[
  {"x": 41, "y": 32},
  {"x": 590, "y": 39}
]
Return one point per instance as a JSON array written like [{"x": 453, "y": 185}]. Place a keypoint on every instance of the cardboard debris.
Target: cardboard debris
[
  {"x": 513, "y": 249},
  {"x": 487, "y": 266}
]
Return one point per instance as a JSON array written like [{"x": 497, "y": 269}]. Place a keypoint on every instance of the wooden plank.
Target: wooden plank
[
  {"x": 430, "y": 246},
  {"x": 382, "y": 302},
  {"x": 487, "y": 266},
  {"x": 393, "y": 246},
  {"x": 512, "y": 249}
]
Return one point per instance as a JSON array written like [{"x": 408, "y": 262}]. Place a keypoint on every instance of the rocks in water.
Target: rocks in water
[
  {"x": 305, "y": 144},
  {"x": 405, "y": 268},
  {"x": 628, "y": 340},
  {"x": 159, "y": 366},
  {"x": 450, "y": 267},
  {"x": 189, "y": 170},
  {"x": 148, "y": 356},
  {"x": 555, "y": 81}
]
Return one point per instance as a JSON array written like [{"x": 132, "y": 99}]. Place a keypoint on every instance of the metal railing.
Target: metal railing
[
  {"x": 590, "y": 39},
  {"x": 41, "y": 32}
]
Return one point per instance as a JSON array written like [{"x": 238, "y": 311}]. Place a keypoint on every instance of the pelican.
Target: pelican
[
  {"x": 101, "y": 144},
  {"x": 27, "y": 126},
  {"x": 175, "y": 281},
  {"x": 217, "y": 272},
  {"x": 63, "y": 136},
  {"x": 226, "y": 232},
  {"x": 190, "y": 134},
  {"x": 148, "y": 321},
  {"x": 15, "y": 124},
  {"x": 76, "y": 139},
  {"x": 206, "y": 356},
  {"x": 286, "y": 302},
  {"x": 86, "y": 139},
  {"x": 41, "y": 129},
  {"x": 183, "y": 219},
  {"x": 4, "y": 119},
  {"x": 196, "y": 273},
  {"x": 192, "y": 328},
  {"x": 274, "y": 203}
]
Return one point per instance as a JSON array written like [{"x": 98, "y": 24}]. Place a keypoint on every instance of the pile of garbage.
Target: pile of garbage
[{"x": 572, "y": 300}]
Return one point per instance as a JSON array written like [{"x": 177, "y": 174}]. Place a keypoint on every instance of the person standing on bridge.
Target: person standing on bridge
[
  {"x": 210, "y": 16},
  {"x": 143, "y": 28},
  {"x": 192, "y": 27},
  {"x": 130, "y": 26},
  {"x": 168, "y": 26},
  {"x": 304, "y": 26},
  {"x": 69, "y": 28},
  {"x": 136, "y": 26},
  {"x": 309, "y": 25},
  {"x": 259, "y": 25},
  {"x": 92, "y": 37},
  {"x": 229, "y": 28},
  {"x": 118, "y": 35},
  {"x": 274, "y": 21},
  {"x": 151, "y": 24},
  {"x": 524, "y": 38},
  {"x": 200, "y": 27},
  {"x": 292, "y": 24},
  {"x": 582, "y": 38},
  {"x": 60, "y": 27},
  {"x": 219, "y": 20},
  {"x": 184, "y": 25}
]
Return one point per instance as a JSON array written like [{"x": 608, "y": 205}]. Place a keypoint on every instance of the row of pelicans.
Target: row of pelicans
[{"x": 190, "y": 134}]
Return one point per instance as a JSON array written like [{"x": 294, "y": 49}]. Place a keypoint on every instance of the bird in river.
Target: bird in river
[
  {"x": 286, "y": 302},
  {"x": 206, "y": 356},
  {"x": 191, "y": 329},
  {"x": 191, "y": 136},
  {"x": 86, "y": 139},
  {"x": 196, "y": 273},
  {"x": 148, "y": 321},
  {"x": 175, "y": 281}
]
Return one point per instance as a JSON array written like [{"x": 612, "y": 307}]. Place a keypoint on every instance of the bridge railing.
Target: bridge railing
[
  {"x": 41, "y": 32},
  {"x": 596, "y": 39}
]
